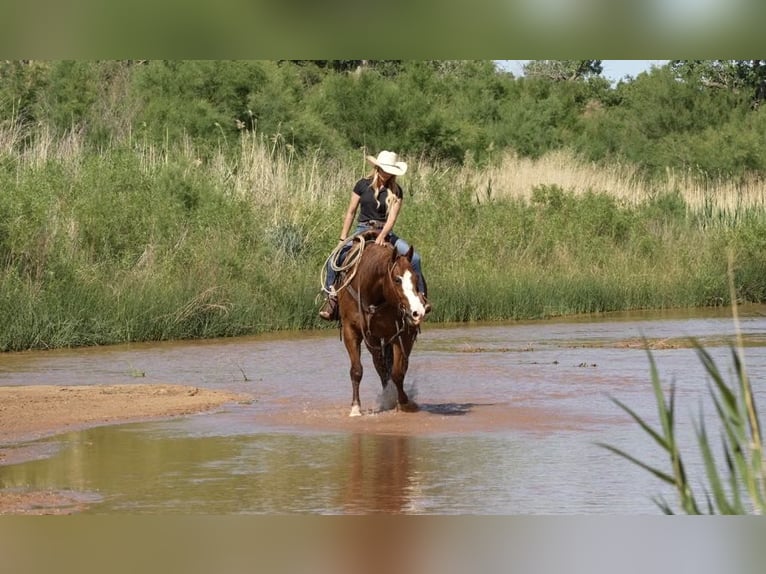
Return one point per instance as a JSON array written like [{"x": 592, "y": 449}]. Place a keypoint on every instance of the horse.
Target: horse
[{"x": 381, "y": 306}]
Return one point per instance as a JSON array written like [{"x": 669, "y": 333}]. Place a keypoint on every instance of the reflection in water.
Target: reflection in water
[{"x": 380, "y": 478}]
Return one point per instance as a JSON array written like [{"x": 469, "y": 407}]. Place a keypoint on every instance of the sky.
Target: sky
[{"x": 614, "y": 70}]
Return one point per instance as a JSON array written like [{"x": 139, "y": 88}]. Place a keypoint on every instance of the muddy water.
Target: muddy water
[{"x": 509, "y": 420}]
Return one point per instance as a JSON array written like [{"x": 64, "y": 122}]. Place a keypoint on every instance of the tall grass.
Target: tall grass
[
  {"x": 140, "y": 242},
  {"x": 718, "y": 199}
]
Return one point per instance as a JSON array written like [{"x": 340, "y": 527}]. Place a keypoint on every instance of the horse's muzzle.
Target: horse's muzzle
[{"x": 416, "y": 316}]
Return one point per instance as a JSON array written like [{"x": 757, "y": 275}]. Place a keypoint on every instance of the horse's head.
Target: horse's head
[{"x": 402, "y": 288}]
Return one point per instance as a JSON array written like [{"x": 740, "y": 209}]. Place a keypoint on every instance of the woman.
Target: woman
[{"x": 378, "y": 198}]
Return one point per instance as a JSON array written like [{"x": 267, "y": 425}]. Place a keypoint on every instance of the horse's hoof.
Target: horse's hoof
[
  {"x": 355, "y": 411},
  {"x": 409, "y": 407}
]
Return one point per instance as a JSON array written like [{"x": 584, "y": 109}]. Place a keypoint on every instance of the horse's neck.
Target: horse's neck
[
  {"x": 371, "y": 278},
  {"x": 372, "y": 290}
]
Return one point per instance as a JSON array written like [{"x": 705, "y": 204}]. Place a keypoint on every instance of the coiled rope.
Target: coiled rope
[{"x": 350, "y": 261}]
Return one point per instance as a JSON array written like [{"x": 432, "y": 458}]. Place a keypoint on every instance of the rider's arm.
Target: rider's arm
[
  {"x": 348, "y": 220},
  {"x": 393, "y": 213}
]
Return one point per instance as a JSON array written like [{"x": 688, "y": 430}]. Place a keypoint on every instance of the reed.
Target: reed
[
  {"x": 734, "y": 481},
  {"x": 718, "y": 199}
]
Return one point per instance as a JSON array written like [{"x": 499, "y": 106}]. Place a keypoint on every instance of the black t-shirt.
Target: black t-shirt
[{"x": 369, "y": 207}]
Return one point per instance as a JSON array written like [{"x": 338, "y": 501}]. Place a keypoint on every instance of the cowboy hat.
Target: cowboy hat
[{"x": 388, "y": 162}]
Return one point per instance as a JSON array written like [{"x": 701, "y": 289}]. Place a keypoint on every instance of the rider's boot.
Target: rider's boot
[
  {"x": 423, "y": 293},
  {"x": 329, "y": 311},
  {"x": 426, "y": 303}
]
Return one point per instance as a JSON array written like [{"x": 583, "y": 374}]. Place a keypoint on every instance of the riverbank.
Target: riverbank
[{"x": 33, "y": 412}]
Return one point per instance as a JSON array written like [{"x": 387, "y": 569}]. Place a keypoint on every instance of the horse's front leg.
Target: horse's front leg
[
  {"x": 401, "y": 354},
  {"x": 378, "y": 354},
  {"x": 382, "y": 358},
  {"x": 353, "y": 342}
]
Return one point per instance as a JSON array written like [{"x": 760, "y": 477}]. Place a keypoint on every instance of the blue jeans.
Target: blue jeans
[{"x": 399, "y": 244}]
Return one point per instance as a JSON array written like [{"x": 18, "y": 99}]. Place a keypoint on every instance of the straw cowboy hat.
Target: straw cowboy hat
[{"x": 388, "y": 162}]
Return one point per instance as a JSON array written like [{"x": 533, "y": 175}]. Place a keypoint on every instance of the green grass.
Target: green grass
[{"x": 136, "y": 244}]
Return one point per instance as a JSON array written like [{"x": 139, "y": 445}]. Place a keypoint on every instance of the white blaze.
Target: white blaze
[{"x": 412, "y": 297}]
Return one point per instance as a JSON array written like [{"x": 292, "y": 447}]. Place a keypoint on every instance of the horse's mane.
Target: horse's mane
[
  {"x": 364, "y": 248},
  {"x": 377, "y": 253}
]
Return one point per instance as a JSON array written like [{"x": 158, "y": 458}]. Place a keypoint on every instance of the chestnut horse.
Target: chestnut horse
[{"x": 382, "y": 307}]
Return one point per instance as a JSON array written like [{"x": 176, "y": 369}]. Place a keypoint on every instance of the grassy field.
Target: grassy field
[{"x": 143, "y": 243}]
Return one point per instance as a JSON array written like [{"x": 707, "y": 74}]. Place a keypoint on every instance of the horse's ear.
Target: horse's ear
[{"x": 410, "y": 252}]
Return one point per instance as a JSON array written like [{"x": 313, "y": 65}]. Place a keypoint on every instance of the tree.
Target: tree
[
  {"x": 21, "y": 84},
  {"x": 563, "y": 70},
  {"x": 385, "y": 67},
  {"x": 731, "y": 75}
]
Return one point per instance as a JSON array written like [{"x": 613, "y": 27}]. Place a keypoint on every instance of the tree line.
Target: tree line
[{"x": 701, "y": 116}]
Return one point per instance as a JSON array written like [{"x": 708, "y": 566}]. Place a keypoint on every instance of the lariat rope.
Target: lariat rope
[{"x": 350, "y": 261}]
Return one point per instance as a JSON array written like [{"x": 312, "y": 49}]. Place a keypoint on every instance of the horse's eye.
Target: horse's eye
[{"x": 398, "y": 280}]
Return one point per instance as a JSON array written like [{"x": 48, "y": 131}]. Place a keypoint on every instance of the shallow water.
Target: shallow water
[{"x": 510, "y": 414}]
